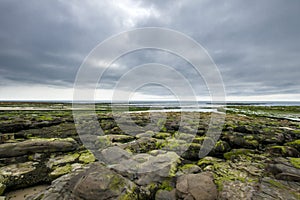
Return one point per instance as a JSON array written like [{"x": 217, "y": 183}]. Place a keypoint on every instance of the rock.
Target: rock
[
  {"x": 121, "y": 138},
  {"x": 243, "y": 129},
  {"x": 207, "y": 162},
  {"x": 219, "y": 149},
  {"x": 237, "y": 178},
  {"x": 234, "y": 153},
  {"x": 237, "y": 140},
  {"x": 62, "y": 160},
  {"x": 162, "y": 135},
  {"x": 165, "y": 195},
  {"x": 101, "y": 183},
  {"x": 59, "y": 171},
  {"x": 284, "y": 172},
  {"x": 147, "y": 134},
  {"x": 295, "y": 144},
  {"x": 37, "y": 146},
  {"x": 190, "y": 169},
  {"x": 114, "y": 155},
  {"x": 23, "y": 174},
  {"x": 2, "y": 188},
  {"x": 95, "y": 182},
  {"x": 277, "y": 189},
  {"x": 145, "y": 168},
  {"x": 87, "y": 157},
  {"x": 199, "y": 186},
  {"x": 237, "y": 190},
  {"x": 141, "y": 145},
  {"x": 284, "y": 151},
  {"x": 192, "y": 152}
]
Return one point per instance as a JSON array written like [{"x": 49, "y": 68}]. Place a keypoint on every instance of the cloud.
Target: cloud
[{"x": 255, "y": 44}]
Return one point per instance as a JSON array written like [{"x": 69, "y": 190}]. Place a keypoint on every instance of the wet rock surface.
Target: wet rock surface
[{"x": 256, "y": 157}]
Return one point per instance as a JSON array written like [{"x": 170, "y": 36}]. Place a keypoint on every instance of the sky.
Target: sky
[{"x": 254, "y": 44}]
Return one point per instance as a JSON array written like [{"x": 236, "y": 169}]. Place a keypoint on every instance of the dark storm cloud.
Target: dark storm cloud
[
  {"x": 46, "y": 41},
  {"x": 256, "y": 44}
]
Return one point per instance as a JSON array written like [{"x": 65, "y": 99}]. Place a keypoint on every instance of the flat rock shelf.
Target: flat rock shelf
[{"x": 257, "y": 155}]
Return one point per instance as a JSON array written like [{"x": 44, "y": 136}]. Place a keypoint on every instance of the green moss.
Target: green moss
[
  {"x": 115, "y": 182},
  {"x": 295, "y": 162},
  {"x": 187, "y": 166},
  {"x": 236, "y": 152},
  {"x": 30, "y": 157},
  {"x": 103, "y": 141},
  {"x": 129, "y": 196},
  {"x": 248, "y": 137},
  {"x": 166, "y": 185},
  {"x": 2, "y": 188},
  {"x": 252, "y": 142},
  {"x": 162, "y": 135},
  {"x": 296, "y": 131},
  {"x": 87, "y": 157},
  {"x": 45, "y": 118},
  {"x": 221, "y": 146},
  {"x": 276, "y": 184},
  {"x": 295, "y": 144},
  {"x": 280, "y": 148},
  {"x": 160, "y": 144},
  {"x": 207, "y": 161},
  {"x": 59, "y": 171}
]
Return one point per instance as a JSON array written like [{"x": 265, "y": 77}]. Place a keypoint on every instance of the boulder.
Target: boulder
[
  {"x": 197, "y": 186},
  {"x": 277, "y": 189},
  {"x": 39, "y": 145},
  {"x": 22, "y": 175},
  {"x": 284, "y": 172},
  {"x": 146, "y": 168},
  {"x": 94, "y": 182},
  {"x": 141, "y": 145}
]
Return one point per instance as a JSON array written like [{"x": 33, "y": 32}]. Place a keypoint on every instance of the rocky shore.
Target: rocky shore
[{"x": 256, "y": 157}]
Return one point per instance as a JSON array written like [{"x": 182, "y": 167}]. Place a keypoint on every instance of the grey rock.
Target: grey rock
[
  {"x": 277, "y": 189},
  {"x": 114, "y": 155},
  {"x": 198, "y": 186},
  {"x": 284, "y": 172},
  {"x": 2, "y": 188},
  {"x": 23, "y": 174},
  {"x": 165, "y": 195},
  {"x": 237, "y": 190},
  {"x": 37, "y": 146},
  {"x": 145, "y": 168},
  {"x": 94, "y": 182}
]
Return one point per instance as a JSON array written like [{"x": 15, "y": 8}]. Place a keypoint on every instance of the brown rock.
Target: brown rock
[{"x": 199, "y": 186}]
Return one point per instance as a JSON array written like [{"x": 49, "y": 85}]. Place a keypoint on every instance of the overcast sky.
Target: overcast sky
[{"x": 255, "y": 45}]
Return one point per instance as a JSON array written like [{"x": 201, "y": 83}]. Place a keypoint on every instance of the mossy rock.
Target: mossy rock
[
  {"x": 284, "y": 151},
  {"x": 295, "y": 162},
  {"x": 2, "y": 188},
  {"x": 237, "y": 152},
  {"x": 190, "y": 169},
  {"x": 121, "y": 138},
  {"x": 87, "y": 157},
  {"x": 55, "y": 161},
  {"x": 206, "y": 161},
  {"x": 220, "y": 148},
  {"x": 162, "y": 135},
  {"x": 59, "y": 171},
  {"x": 295, "y": 144}
]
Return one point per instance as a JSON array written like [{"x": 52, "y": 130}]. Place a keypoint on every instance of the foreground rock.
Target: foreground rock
[
  {"x": 22, "y": 175},
  {"x": 41, "y": 168},
  {"x": 93, "y": 182},
  {"x": 147, "y": 168},
  {"x": 197, "y": 186},
  {"x": 40, "y": 145}
]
